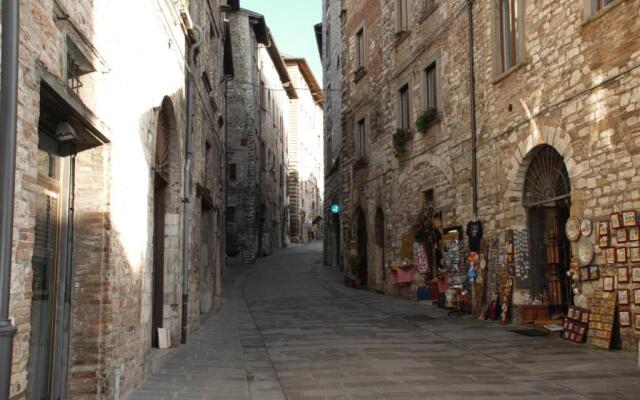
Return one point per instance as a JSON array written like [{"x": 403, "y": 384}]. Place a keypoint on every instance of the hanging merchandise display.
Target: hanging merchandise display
[{"x": 474, "y": 234}]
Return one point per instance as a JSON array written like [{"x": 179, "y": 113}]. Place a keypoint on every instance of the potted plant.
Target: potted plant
[
  {"x": 400, "y": 139},
  {"x": 426, "y": 118},
  {"x": 425, "y": 229}
]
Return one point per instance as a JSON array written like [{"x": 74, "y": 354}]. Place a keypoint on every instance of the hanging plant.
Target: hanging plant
[
  {"x": 425, "y": 119},
  {"x": 425, "y": 230},
  {"x": 400, "y": 139}
]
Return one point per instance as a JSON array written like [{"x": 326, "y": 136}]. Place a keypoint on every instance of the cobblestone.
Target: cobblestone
[{"x": 289, "y": 329}]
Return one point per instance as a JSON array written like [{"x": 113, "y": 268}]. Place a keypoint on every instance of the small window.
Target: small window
[
  {"x": 263, "y": 95},
  {"x": 431, "y": 92},
  {"x": 361, "y": 138},
  {"x": 404, "y": 120},
  {"x": 510, "y": 33},
  {"x": 232, "y": 172},
  {"x": 402, "y": 12},
  {"x": 597, "y": 5},
  {"x": 360, "y": 46},
  {"x": 428, "y": 5},
  {"x": 231, "y": 214},
  {"x": 428, "y": 197}
]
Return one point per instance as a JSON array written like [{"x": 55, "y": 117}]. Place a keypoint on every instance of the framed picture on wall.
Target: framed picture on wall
[
  {"x": 623, "y": 297},
  {"x": 607, "y": 284},
  {"x": 636, "y": 297},
  {"x": 635, "y": 274},
  {"x": 621, "y": 235},
  {"x": 603, "y": 242},
  {"x": 603, "y": 228},
  {"x": 615, "y": 220},
  {"x": 629, "y": 218},
  {"x": 637, "y": 321},
  {"x": 621, "y": 255},
  {"x": 623, "y": 274},
  {"x": 611, "y": 255},
  {"x": 632, "y": 234},
  {"x": 625, "y": 318},
  {"x": 584, "y": 274},
  {"x": 634, "y": 254}
]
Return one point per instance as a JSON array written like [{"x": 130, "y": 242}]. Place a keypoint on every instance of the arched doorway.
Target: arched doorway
[
  {"x": 379, "y": 237},
  {"x": 362, "y": 246},
  {"x": 547, "y": 198},
  {"x": 161, "y": 172}
]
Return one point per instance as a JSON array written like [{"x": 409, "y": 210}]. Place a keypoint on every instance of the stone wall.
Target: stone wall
[
  {"x": 257, "y": 110},
  {"x": 575, "y": 89},
  {"x": 111, "y": 285}
]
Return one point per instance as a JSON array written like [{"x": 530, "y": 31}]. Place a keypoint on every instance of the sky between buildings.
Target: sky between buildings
[{"x": 291, "y": 22}]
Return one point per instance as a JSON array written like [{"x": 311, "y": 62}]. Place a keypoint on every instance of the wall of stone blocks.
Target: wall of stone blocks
[
  {"x": 576, "y": 89},
  {"x": 113, "y": 253}
]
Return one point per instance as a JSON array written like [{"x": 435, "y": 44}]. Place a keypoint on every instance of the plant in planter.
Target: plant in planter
[
  {"x": 400, "y": 139},
  {"x": 426, "y": 118},
  {"x": 425, "y": 229}
]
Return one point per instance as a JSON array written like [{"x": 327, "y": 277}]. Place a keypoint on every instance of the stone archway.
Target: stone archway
[{"x": 162, "y": 177}]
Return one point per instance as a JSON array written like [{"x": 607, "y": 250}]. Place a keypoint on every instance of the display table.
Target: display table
[{"x": 531, "y": 312}]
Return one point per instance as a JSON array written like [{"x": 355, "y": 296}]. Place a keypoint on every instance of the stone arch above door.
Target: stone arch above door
[{"x": 524, "y": 153}]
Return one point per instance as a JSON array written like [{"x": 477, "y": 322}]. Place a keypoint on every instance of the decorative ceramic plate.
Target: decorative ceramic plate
[
  {"x": 586, "y": 227},
  {"x": 572, "y": 229},
  {"x": 585, "y": 252}
]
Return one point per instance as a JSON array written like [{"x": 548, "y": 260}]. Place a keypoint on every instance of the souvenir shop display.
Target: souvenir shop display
[
  {"x": 637, "y": 321},
  {"x": 522, "y": 267},
  {"x": 454, "y": 262},
  {"x": 554, "y": 283},
  {"x": 585, "y": 252},
  {"x": 621, "y": 255},
  {"x": 623, "y": 275},
  {"x": 610, "y": 255},
  {"x": 586, "y": 227},
  {"x": 621, "y": 236},
  {"x": 615, "y": 220},
  {"x": 576, "y": 324},
  {"x": 474, "y": 234},
  {"x": 635, "y": 274},
  {"x": 594, "y": 272},
  {"x": 572, "y": 229},
  {"x": 634, "y": 254},
  {"x": 603, "y": 308},
  {"x": 629, "y": 218},
  {"x": 625, "y": 318},
  {"x": 636, "y": 297},
  {"x": 608, "y": 284},
  {"x": 623, "y": 297},
  {"x": 603, "y": 228},
  {"x": 632, "y": 234},
  {"x": 603, "y": 241},
  {"x": 420, "y": 259}
]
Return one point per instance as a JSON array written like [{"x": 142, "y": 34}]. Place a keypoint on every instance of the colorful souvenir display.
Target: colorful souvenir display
[{"x": 576, "y": 324}]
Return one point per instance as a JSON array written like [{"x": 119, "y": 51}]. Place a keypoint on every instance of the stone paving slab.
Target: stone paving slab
[{"x": 289, "y": 329}]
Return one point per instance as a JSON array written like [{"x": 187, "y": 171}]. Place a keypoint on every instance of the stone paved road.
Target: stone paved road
[{"x": 289, "y": 329}]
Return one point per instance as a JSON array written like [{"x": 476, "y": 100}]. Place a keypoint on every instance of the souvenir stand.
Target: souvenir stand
[{"x": 454, "y": 272}]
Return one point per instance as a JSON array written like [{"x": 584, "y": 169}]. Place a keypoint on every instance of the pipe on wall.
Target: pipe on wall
[
  {"x": 186, "y": 190},
  {"x": 8, "y": 125},
  {"x": 474, "y": 128}
]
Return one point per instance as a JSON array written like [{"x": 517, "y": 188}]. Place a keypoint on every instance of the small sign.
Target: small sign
[{"x": 335, "y": 209}]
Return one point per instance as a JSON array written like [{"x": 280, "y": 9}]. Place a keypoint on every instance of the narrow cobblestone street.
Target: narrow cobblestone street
[{"x": 289, "y": 329}]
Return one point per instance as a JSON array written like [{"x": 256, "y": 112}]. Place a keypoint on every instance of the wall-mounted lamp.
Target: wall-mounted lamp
[{"x": 65, "y": 133}]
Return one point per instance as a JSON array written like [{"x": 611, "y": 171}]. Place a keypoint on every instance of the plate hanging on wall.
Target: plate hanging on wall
[{"x": 572, "y": 229}]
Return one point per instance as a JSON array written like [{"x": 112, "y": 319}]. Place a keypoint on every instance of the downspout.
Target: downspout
[
  {"x": 8, "y": 124},
  {"x": 186, "y": 190},
  {"x": 474, "y": 133}
]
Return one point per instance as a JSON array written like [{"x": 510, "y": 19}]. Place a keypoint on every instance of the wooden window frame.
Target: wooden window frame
[
  {"x": 513, "y": 35},
  {"x": 360, "y": 49},
  {"x": 431, "y": 87},
  {"x": 404, "y": 110},
  {"x": 402, "y": 16}
]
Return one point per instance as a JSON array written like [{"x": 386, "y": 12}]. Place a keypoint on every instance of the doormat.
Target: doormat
[{"x": 530, "y": 332}]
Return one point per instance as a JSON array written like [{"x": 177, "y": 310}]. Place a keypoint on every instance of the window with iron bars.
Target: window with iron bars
[{"x": 73, "y": 74}]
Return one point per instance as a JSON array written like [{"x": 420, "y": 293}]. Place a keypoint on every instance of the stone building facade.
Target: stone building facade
[
  {"x": 98, "y": 243},
  {"x": 548, "y": 128},
  {"x": 257, "y": 106},
  {"x": 331, "y": 40},
  {"x": 305, "y": 180}
]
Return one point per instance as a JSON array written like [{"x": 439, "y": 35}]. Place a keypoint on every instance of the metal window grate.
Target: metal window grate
[{"x": 547, "y": 179}]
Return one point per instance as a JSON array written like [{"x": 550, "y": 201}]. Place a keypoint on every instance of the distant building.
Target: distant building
[
  {"x": 257, "y": 107},
  {"x": 331, "y": 42},
  {"x": 306, "y": 176}
]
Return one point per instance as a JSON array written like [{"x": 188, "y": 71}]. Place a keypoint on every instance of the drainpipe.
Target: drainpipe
[
  {"x": 8, "y": 124},
  {"x": 474, "y": 134},
  {"x": 186, "y": 191}
]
